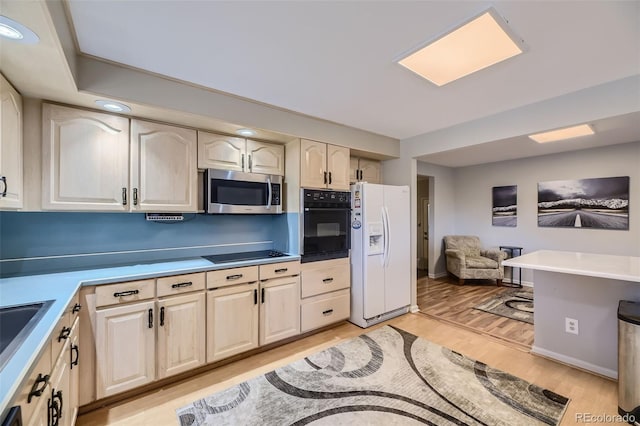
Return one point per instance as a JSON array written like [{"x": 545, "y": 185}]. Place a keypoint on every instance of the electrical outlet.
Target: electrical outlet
[{"x": 571, "y": 326}]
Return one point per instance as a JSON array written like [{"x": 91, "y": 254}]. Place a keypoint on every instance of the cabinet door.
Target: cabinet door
[
  {"x": 265, "y": 158},
  {"x": 85, "y": 160},
  {"x": 181, "y": 334},
  {"x": 59, "y": 408},
  {"x": 353, "y": 170},
  {"x": 10, "y": 146},
  {"x": 338, "y": 161},
  {"x": 73, "y": 355},
  {"x": 232, "y": 321},
  {"x": 371, "y": 171},
  {"x": 279, "y": 309},
  {"x": 125, "y": 347},
  {"x": 220, "y": 152},
  {"x": 313, "y": 163},
  {"x": 163, "y": 168}
]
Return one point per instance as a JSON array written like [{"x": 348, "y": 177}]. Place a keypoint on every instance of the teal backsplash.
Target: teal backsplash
[{"x": 32, "y": 242}]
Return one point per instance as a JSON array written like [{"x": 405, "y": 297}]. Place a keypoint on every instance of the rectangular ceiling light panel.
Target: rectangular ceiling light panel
[
  {"x": 561, "y": 134},
  {"x": 478, "y": 44}
]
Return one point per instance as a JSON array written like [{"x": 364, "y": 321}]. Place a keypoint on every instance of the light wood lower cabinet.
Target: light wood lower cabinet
[
  {"x": 181, "y": 334},
  {"x": 325, "y": 292},
  {"x": 125, "y": 347},
  {"x": 232, "y": 320},
  {"x": 243, "y": 313},
  {"x": 279, "y": 309}
]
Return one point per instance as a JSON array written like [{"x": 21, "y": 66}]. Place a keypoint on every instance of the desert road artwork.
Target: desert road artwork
[
  {"x": 601, "y": 203},
  {"x": 505, "y": 206}
]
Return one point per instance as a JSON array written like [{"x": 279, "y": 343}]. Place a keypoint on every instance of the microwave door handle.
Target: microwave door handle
[{"x": 269, "y": 194}]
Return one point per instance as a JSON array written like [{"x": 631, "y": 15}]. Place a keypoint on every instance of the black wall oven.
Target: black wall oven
[{"x": 326, "y": 218}]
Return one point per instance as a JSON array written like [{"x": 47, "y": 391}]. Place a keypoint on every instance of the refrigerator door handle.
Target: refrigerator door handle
[{"x": 387, "y": 242}]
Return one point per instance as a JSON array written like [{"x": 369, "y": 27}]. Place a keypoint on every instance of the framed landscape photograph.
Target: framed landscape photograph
[
  {"x": 504, "y": 210},
  {"x": 601, "y": 203}
]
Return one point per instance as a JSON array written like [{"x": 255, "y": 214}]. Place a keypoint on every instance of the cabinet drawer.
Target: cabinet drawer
[
  {"x": 323, "y": 310},
  {"x": 319, "y": 281},
  {"x": 167, "y": 286},
  {"x": 225, "y": 277},
  {"x": 38, "y": 380},
  {"x": 130, "y": 291},
  {"x": 281, "y": 269},
  {"x": 61, "y": 334}
]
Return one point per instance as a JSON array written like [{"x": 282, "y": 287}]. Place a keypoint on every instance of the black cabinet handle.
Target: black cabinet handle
[
  {"x": 327, "y": 312},
  {"x": 151, "y": 318},
  {"x": 262, "y": 296},
  {"x": 281, "y": 270},
  {"x": 74, "y": 350},
  {"x": 234, "y": 277},
  {"x": 4, "y": 190},
  {"x": 64, "y": 333},
  {"x": 180, "y": 285},
  {"x": 329, "y": 178},
  {"x": 250, "y": 165},
  {"x": 325, "y": 177},
  {"x": 327, "y": 280},
  {"x": 162, "y": 317},
  {"x": 255, "y": 296},
  {"x": 55, "y": 408},
  {"x": 135, "y": 196},
  {"x": 242, "y": 162},
  {"x": 76, "y": 308},
  {"x": 124, "y": 196},
  {"x": 126, "y": 293},
  {"x": 35, "y": 391}
]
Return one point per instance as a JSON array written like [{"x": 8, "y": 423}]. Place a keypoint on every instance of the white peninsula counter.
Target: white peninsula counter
[{"x": 585, "y": 287}]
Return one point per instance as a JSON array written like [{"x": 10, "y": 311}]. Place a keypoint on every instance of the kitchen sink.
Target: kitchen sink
[{"x": 16, "y": 322}]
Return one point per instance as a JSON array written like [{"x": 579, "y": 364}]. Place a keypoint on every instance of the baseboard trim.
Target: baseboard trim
[
  {"x": 438, "y": 275},
  {"x": 414, "y": 308},
  {"x": 575, "y": 362}
]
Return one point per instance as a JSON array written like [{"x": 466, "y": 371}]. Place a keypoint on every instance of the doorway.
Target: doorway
[{"x": 424, "y": 225}]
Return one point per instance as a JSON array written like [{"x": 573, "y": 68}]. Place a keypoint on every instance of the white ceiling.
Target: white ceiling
[{"x": 335, "y": 61}]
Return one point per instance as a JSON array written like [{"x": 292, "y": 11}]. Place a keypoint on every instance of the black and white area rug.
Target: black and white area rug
[
  {"x": 514, "y": 304},
  {"x": 384, "y": 377}
]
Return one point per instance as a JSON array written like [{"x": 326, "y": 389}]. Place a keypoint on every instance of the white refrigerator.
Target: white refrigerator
[{"x": 380, "y": 252}]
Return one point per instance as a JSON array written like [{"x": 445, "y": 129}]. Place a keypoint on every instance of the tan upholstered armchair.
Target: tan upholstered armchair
[{"x": 467, "y": 260}]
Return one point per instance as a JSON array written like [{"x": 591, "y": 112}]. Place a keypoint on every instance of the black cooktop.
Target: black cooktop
[{"x": 247, "y": 255}]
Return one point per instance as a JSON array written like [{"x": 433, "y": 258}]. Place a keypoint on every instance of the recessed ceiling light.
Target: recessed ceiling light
[
  {"x": 246, "y": 132},
  {"x": 17, "y": 32},
  {"x": 479, "y": 43},
  {"x": 562, "y": 134},
  {"x": 113, "y": 106}
]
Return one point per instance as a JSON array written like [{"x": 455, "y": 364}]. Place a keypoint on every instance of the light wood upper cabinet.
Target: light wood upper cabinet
[
  {"x": 163, "y": 167},
  {"x": 364, "y": 170},
  {"x": 85, "y": 160},
  {"x": 265, "y": 158},
  {"x": 181, "y": 334},
  {"x": 338, "y": 167},
  {"x": 323, "y": 165},
  {"x": 125, "y": 347},
  {"x": 220, "y": 152},
  {"x": 239, "y": 154},
  {"x": 10, "y": 147}
]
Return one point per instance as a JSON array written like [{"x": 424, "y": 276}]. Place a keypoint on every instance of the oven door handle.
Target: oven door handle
[
  {"x": 269, "y": 194},
  {"x": 331, "y": 209}
]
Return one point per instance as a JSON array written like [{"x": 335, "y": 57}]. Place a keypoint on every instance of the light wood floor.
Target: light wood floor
[
  {"x": 444, "y": 298},
  {"x": 588, "y": 393}
]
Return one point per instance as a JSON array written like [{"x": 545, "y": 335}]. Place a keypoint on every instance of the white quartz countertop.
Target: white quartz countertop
[{"x": 624, "y": 268}]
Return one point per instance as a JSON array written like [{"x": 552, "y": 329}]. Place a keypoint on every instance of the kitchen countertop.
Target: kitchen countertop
[
  {"x": 61, "y": 287},
  {"x": 624, "y": 268}
]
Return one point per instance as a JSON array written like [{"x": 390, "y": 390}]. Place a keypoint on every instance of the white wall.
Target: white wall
[
  {"x": 442, "y": 199},
  {"x": 472, "y": 211}
]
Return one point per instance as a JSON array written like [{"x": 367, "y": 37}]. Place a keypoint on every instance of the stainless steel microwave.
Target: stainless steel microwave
[{"x": 229, "y": 192}]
